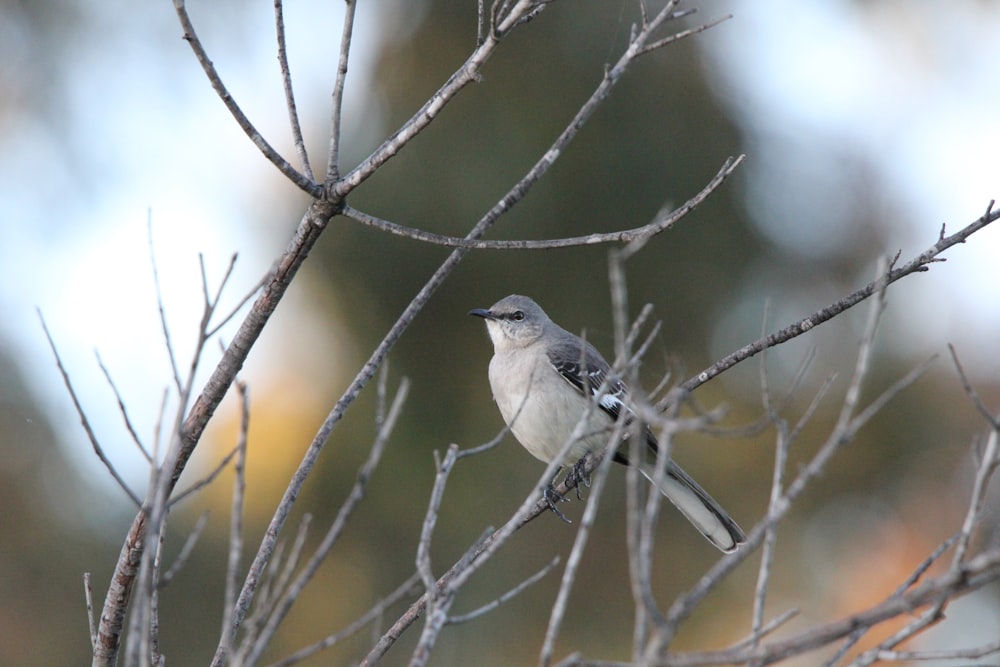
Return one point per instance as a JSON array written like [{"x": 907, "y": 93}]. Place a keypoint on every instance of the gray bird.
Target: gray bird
[{"x": 543, "y": 377}]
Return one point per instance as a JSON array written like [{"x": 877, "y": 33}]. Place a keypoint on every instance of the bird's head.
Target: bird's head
[{"x": 513, "y": 321}]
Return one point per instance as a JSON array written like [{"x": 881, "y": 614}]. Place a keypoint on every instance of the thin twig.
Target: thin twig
[
  {"x": 159, "y": 303},
  {"x": 180, "y": 496},
  {"x": 83, "y": 418},
  {"x": 509, "y": 595},
  {"x": 423, "y": 556},
  {"x": 274, "y": 585},
  {"x": 579, "y": 544},
  {"x": 927, "y": 618},
  {"x": 88, "y": 593},
  {"x": 185, "y": 551},
  {"x": 242, "y": 302},
  {"x": 777, "y": 483},
  {"x": 191, "y": 37},
  {"x": 659, "y": 44},
  {"x": 988, "y": 465},
  {"x": 369, "y": 616},
  {"x": 974, "y": 574},
  {"x": 290, "y": 596},
  {"x": 286, "y": 82},
  {"x": 121, "y": 408},
  {"x": 770, "y": 536},
  {"x": 918, "y": 264},
  {"x": 158, "y": 426},
  {"x": 236, "y": 517},
  {"x": 970, "y": 391},
  {"x": 337, "y": 105},
  {"x": 946, "y": 654},
  {"x": 439, "y": 598},
  {"x": 660, "y": 223}
]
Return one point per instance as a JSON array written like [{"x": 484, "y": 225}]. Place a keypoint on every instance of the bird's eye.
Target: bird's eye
[{"x": 518, "y": 315}]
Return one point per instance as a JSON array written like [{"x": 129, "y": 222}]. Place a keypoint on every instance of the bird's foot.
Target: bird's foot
[{"x": 552, "y": 497}]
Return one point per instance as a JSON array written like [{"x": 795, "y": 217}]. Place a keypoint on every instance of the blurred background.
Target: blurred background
[{"x": 867, "y": 125}]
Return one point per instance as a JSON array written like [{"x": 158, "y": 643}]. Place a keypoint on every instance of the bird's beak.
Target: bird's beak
[{"x": 483, "y": 313}]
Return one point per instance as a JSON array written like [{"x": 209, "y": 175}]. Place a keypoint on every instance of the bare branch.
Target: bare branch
[
  {"x": 439, "y": 598},
  {"x": 771, "y": 534},
  {"x": 423, "y": 561},
  {"x": 185, "y": 551},
  {"x": 158, "y": 427},
  {"x": 512, "y": 593},
  {"x": 88, "y": 592},
  {"x": 579, "y": 544},
  {"x": 660, "y": 223},
  {"x": 206, "y": 480},
  {"x": 970, "y": 390},
  {"x": 971, "y": 575},
  {"x": 988, "y": 465},
  {"x": 337, "y": 107},
  {"x": 159, "y": 303},
  {"x": 659, "y": 44},
  {"x": 83, "y": 418},
  {"x": 947, "y": 654},
  {"x": 918, "y": 264},
  {"x": 466, "y": 74},
  {"x": 191, "y": 37},
  {"x": 121, "y": 409},
  {"x": 286, "y": 82},
  {"x": 843, "y": 433},
  {"x": 371, "y": 615},
  {"x": 236, "y": 518},
  {"x": 333, "y": 534},
  {"x": 274, "y": 583}
]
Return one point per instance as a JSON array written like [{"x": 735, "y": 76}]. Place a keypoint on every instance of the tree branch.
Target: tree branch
[
  {"x": 191, "y": 37},
  {"x": 918, "y": 264},
  {"x": 659, "y": 224},
  {"x": 286, "y": 82},
  {"x": 337, "y": 107}
]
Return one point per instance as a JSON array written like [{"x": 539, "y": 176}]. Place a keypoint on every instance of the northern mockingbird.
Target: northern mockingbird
[{"x": 543, "y": 377}]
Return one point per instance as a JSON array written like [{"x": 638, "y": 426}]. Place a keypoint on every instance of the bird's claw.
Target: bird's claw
[{"x": 552, "y": 497}]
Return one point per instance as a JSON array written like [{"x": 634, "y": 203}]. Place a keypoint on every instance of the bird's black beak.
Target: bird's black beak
[{"x": 483, "y": 313}]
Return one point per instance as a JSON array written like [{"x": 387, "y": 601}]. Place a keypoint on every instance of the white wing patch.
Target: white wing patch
[{"x": 611, "y": 402}]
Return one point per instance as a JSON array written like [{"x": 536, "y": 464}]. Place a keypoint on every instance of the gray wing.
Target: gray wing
[{"x": 583, "y": 367}]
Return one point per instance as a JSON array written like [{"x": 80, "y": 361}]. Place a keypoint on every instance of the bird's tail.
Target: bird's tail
[{"x": 700, "y": 508}]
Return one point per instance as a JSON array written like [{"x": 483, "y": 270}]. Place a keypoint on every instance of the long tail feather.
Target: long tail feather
[{"x": 698, "y": 507}]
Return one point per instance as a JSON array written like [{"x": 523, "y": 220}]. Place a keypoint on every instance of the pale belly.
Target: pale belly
[{"x": 543, "y": 413}]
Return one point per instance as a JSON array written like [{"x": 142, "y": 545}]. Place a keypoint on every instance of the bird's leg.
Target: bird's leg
[
  {"x": 552, "y": 497},
  {"x": 578, "y": 473}
]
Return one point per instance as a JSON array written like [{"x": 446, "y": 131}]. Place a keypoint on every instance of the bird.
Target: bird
[{"x": 543, "y": 378}]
